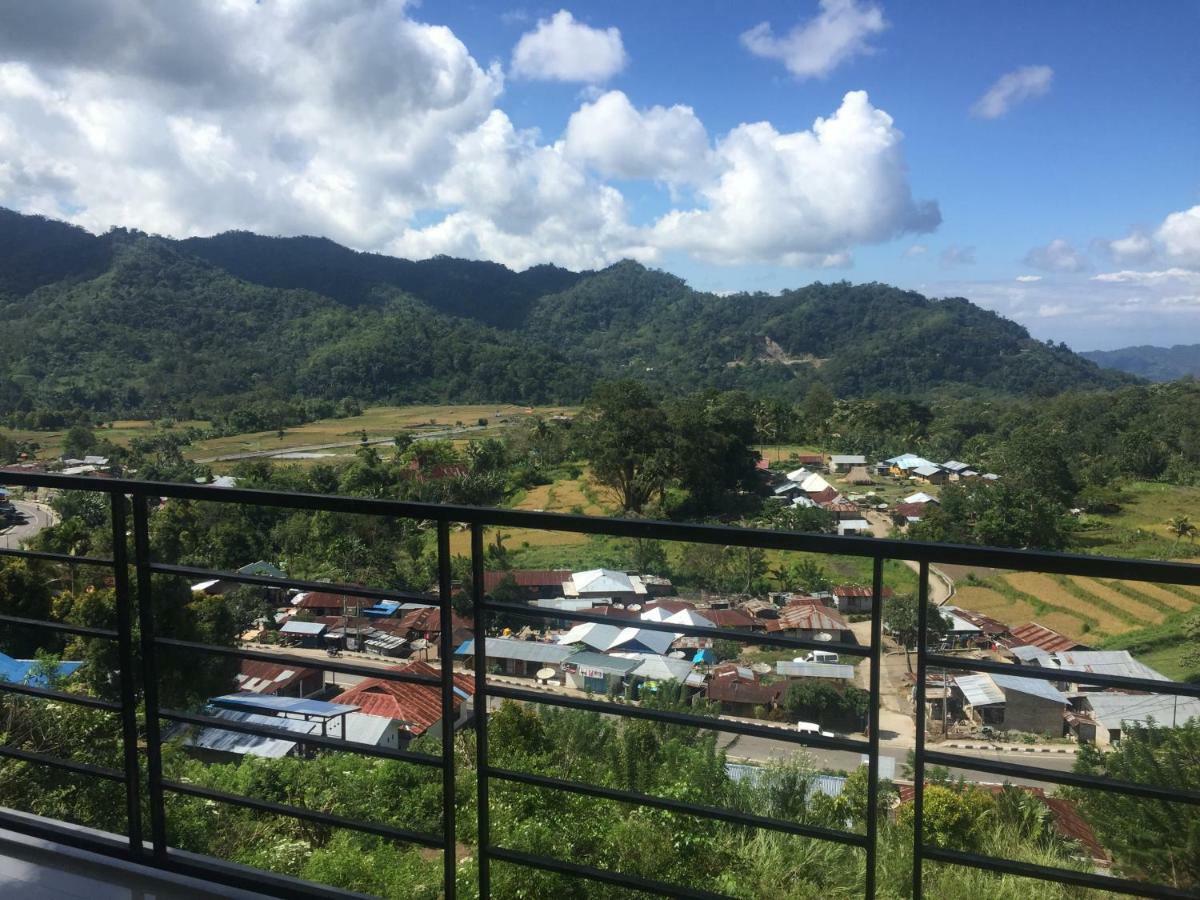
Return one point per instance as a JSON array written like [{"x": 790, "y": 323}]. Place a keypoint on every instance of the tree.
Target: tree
[
  {"x": 78, "y": 441},
  {"x": 649, "y": 556},
  {"x": 625, "y": 437},
  {"x": 900, "y": 616},
  {"x": 1148, "y": 838}
]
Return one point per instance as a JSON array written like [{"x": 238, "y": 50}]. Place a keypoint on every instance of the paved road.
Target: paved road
[
  {"x": 34, "y": 517},
  {"x": 941, "y": 585},
  {"x": 315, "y": 448}
]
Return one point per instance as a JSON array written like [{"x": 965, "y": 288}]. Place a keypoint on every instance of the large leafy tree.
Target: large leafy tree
[{"x": 626, "y": 437}]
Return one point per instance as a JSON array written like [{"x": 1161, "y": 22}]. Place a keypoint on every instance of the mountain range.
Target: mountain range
[
  {"x": 1152, "y": 363},
  {"x": 127, "y": 323}
]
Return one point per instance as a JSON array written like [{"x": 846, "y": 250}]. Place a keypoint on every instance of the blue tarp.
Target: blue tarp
[
  {"x": 20, "y": 671},
  {"x": 705, "y": 656}
]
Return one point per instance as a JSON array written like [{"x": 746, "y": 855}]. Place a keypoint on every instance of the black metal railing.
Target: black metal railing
[{"x": 143, "y": 759}]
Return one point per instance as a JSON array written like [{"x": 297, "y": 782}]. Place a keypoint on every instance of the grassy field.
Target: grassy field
[
  {"x": 1140, "y": 528},
  {"x": 120, "y": 433},
  {"x": 377, "y": 422}
]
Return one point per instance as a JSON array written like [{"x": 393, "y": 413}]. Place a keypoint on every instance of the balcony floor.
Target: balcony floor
[{"x": 33, "y": 869}]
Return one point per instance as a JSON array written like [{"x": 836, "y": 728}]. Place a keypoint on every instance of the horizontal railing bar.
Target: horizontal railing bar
[
  {"x": 51, "y": 694},
  {"x": 733, "y": 634},
  {"x": 47, "y": 625},
  {"x": 300, "y": 662},
  {"x": 1071, "y": 779},
  {"x": 324, "y": 587},
  {"x": 1147, "y": 685},
  {"x": 67, "y": 558},
  {"x": 683, "y": 719},
  {"x": 93, "y": 840},
  {"x": 707, "y": 812},
  {"x": 314, "y": 740},
  {"x": 634, "y": 882},
  {"x": 250, "y": 879},
  {"x": 838, "y": 545},
  {"x": 310, "y": 815},
  {"x": 1053, "y": 873},
  {"x": 59, "y": 763}
]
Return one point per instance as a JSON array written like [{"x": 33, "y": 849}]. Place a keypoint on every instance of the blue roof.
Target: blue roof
[
  {"x": 21, "y": 671},
  {"x": 248, "y": 700},
  {"x": 382, "y": 608}
]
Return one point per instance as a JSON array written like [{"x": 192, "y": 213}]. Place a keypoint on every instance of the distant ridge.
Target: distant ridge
[
  {"x": 132, "y": 324},
  {"x": 1152, "y": 363}
]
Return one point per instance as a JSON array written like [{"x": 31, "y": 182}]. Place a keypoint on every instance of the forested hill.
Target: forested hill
[
  {"x": 131, "y": 324},
  {"x": 1154, "y": 363}
]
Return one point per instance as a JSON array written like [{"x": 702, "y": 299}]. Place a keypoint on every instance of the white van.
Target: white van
[
  {"x": 812, "y": 728},
  {"x": 821, "y": 656}
]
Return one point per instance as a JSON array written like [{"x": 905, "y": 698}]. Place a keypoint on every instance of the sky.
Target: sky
[{"x": 1042, "y": 160}]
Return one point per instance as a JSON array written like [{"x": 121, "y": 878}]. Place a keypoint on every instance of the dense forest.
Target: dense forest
[
  {"x": 128, "y": 324},
  {"x": 1154, "y": 363}
]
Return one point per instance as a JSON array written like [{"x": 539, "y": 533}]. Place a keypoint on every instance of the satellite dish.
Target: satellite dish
[
  {"x": 545, "y": 674},
  {"x": 634, "y": 607},
  {"x": 761, "y": 669},
  {"x": 677, "y": 654},
  {"x": 823, "y": 636}
]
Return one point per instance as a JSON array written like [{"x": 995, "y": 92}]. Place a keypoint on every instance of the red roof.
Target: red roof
[
  {"x": 263, "y": 677},
  {"x": 418, "y": 706},
  {"x": 671, "y": 606},
  {"x": 762, "y": 464},
  {"x": 527, "y": 578},
  {"x": 855, "y": 590},
  {"x": 1034, "y": 635},
  {"x": 728, "y": 618},
  {"x": 322, "y": 600},
  {"x": 429, "y": 621},
  {"x": 807, "y": 617},
  {"x": 826, "y": 496},
  {"x": 613, "y": 612},
  {"x": 986, "y": 624},
  {"x": 744, "y": 690},
  {"x": 911, "y": 510},
  {"x": 810, "y": 459}
]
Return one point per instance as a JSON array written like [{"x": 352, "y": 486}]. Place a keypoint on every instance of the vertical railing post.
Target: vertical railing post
[
  {"x": 446, "y": 652},
  {"x": 129, "y": 725},
  {"x": 483, "y": 820},
  {"x": 145, "y": 597},
  {"x": 873, "y": 736},
  {"x": 919, "y": 750}
]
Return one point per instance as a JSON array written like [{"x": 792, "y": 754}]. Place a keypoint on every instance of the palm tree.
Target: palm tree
[{"x": 1182, "y": 527}]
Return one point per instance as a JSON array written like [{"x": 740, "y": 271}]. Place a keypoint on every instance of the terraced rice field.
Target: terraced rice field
[
  {"x": 995, "y": 604},
  {"x": 566, "y": 495},
  {"x": 1164, "y": 596},
  {"x": 1057, "y": 598},
  {"x": 1131, "y": 609}
]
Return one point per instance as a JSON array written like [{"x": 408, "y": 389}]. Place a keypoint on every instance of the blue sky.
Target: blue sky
[{"x": 582, "y": 134}]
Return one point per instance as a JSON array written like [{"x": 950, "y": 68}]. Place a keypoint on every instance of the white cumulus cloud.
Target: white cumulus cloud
[
  {"x": 794, "y": 198},
  {"x": 839, "y": 32},
  {"x": 1029, "y": 279},
  {"x": 1136, "y": 247},
  {"x": 1012, "y": 88},
  {"x": 617, "y": 140},
  {"x": 1179, "y": 235},
  {"x": 563, "y": 49},
  {"x": 1057, "y": 256}
]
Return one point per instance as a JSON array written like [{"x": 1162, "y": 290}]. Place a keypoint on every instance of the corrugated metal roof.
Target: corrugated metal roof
[
  {"x": 658, "y": 668},
  {"x": 21, "y": 671},
  {"x": 1111, "y": 708},
  {"x": 614, "y": 665},
  {"x": 361, "y": 728},
  {"x": 602, "y": 581},
  {"x": 1031, "y": 654},
  {"x": 979, "y": 690},
  {"x": 295, "y": 705},
  {"x": 851, "y": 459},
  {"x": 829, "y": 785},
  {"x": 294, "y": 627},
  {"x": 249, "y": 744},
  {"x": 1107, "y": 662},
  {"x": 509, "y": 648},
  {"x": 1033, "y": 686},
  {"x": 814, "y": 670},
  {"x": 1036, "y": 635}
]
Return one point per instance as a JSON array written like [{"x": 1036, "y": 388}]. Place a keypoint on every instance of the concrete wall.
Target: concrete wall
[{"x": 1025, "y": 712}]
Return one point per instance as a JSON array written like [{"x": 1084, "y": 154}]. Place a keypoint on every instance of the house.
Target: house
[
  {"x": 1013, "y": 703},
  {"x": 811, "y": 621},
  {"x": 30, "y": 672},
  {"x": 426, "y": 623},
  {"x": 597, "y": 672},
  {"x": 810, "y": 459},
  {"x": 1108, "y": 713},
  {"x": 730, "y": 618},
  {"x": 859, "y": 475},
  {"x": 1034, "y": 635},
  {"x": 901, "y": 466},
  {"x": 416, "y": 707},
  {"x": 375, "y": 731},
  {"x": 907, "y": 513},
  {"x": 320, "y": 603},
  {"x": 1104, "y": 662},
  {"x": 510, "y": 656},
  {"x": 653, "y": 668},
  {"x": 854, "y": 526},
  {"x": 929, "y": 474},
  {"x": 838, "y": 672},
  {"x": 261, "y": 568},
  {"x": 529, "y": 584},
  {"x": 740, "y": 695},
  {"x": 842, "y": 509},
  {"x": 829, "y": 495},
  {"x": 841, "y": 462},
  {"x": 217, "y": 745},
  {"x": 604, "y": 583},
  {"x": 306, "y": 634},
  {"x": 991, "y": 631},
  {"x": 850, "y": 599},
  {"x": 272, "y": 679},
  {"x": 962, "y": 631},
  {"x": 920, "y": 497},
  {"x": 602, "y": 637}
]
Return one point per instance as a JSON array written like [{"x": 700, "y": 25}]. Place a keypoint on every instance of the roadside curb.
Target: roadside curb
[{"x": 1002, "y": 748}]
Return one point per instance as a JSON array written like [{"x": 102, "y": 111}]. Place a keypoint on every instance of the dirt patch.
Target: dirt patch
[{"x": 993, "y": 603}]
